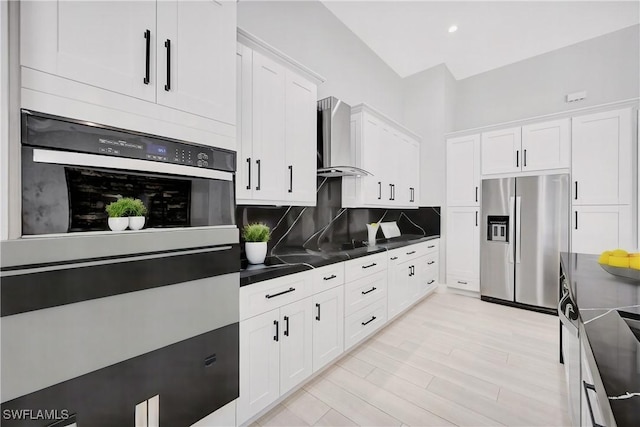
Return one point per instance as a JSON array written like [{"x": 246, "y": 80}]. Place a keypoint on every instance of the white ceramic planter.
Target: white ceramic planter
[
  {"x": 256, "y": 252},
  {"x": 118, "y": 224},
  {"x": 136, "y": 222}
]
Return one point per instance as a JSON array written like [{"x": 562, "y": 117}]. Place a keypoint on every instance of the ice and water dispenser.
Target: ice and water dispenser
[{"x": 498, "y": 228}]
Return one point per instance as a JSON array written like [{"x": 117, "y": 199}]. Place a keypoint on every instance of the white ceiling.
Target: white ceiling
[{"x": 411, "y": 36}]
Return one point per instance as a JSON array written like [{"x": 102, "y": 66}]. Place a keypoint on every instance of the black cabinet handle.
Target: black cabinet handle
[
  {"x": 167, "y": 45},
  {"x": 318, "y": 316},
  {"x": 431, "y": 246},
  {"x": 369, "y": 321},
  {"x": 249, "y": 167},
  {"x": 259, "y": 174},
  {"x": 476, "y": 193},
  {"x": 286, "y": 326},
  {"x": 462, "y": 283},
  {"x": 413, "y": 270},
  {"x": 379, "y": 190},
  {"x": 477, "y": 218},
  {"x": 147, "y": 56},
  {"x": 431, "y": 281},
  {"x": 588, "y": 387},
  {"x": 393, "y": 258},
  {"x": 333, "y": 276},
  {"x": 373, "y": 264},
  {"x": 290, "y": 178},
  {"x": 517, "y": 158},
  {"x": 431, "y": 262},
  {"x": 390, "y": 191},
  {"x": 370, "y": 290},
  {"x": 410, "y": 270},
  {"x": 280, "y": 293},
  {"x": 275, "y": 337},
  {"x": 210, "y": 360},
  {"x": 393, "y": 189},
  {"x": 576, "y": 195},
  {"x": 411, "y": 252},
  {"x": 524, "y": 159},
  {"x": 576, "y": 223},
  {"x": 412, "y": 196}
]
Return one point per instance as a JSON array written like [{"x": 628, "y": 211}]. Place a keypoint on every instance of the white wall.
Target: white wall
[
  {"x": 309, "y": 33},
  {"x": 607, "y": 67}
]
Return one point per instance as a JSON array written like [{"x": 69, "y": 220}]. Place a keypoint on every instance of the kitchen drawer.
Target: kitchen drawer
[
  {"x": 360, "y": 293},
  {"x": 363, "y": 323},
  {"x": 431, "y": 246},
  {"x": 270, "y": 294},
  {"x": 465, "y": 283},
  {"x": 366, "y": 266},
  {"x": 328, "y": 277}
]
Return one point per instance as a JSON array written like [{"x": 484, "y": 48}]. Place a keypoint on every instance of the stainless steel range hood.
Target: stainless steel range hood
[{"x": 335, "y": 153}]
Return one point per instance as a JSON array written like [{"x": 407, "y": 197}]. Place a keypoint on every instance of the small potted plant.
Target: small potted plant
[
  {"x": 118, "y": 212},
  {"x": 256, "y": 237},
  {"x": 137, "y": 212},
  {"x": 126, "y": 212}
]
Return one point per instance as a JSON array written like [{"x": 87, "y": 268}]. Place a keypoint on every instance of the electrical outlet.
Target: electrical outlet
[{"x": 576, "y": 96}]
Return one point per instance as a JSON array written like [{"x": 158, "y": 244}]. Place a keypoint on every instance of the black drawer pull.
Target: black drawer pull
[
  {"x": 370, "y": 290},
  {"x": 462, "y": 283},
  {"x": 318, "y": 316},
  {"x": 431, "y": 262},
  {"x": 393, "y": 258},
  {"x": 280, "y": 293},
  {"x": 286, "y": 326},
  {"x": 588, "y": 387},
  {"x": 333, "y": 276},
  {"x": 411, "y": 253},
  {"x": 373, "y": 264},
  {"x": 431, "y": 246},
  {"x": 210, "y": 360},
  {"x": 430, "y": 281},
  {"x": 275, "y": 337},
  {"x": 369, "y": 321},
  {"x": 147, "y": 44}
]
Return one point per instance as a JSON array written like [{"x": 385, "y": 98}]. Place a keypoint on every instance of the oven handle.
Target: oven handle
[
  {"x": 98, "y": 161},
  {"x": 564, "y": 319}
]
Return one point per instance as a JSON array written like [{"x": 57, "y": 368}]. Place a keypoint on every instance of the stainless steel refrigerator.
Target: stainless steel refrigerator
[{"x": 524, "y": 227}]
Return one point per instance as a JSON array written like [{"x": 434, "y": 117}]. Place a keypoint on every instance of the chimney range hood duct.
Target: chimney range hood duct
[{"x": 334, "y": 140}]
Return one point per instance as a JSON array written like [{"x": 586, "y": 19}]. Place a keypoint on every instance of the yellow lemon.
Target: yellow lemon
[
  {"x": 619, "y": 261},
  {"x": 620, "y": 252},
  {"x": 604, "y": 257},
  {"x": 634, "y": 261}
]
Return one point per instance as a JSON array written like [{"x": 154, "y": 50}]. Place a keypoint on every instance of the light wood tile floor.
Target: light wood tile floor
[{"x": 450, "y": 360}]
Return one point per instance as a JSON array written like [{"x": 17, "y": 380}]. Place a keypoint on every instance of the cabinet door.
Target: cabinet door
[
  {"x": 413, "y": 163},
  {"x": 100, "y": 43},
  {"x": 268, "y": 109},
  {"x": 371, "y": 148},
  {"x": 463, "y": 240},
  {"x": 198, "y": 76},
  {"x": 300, "y": 137},
  {"x": 244, "y": 167},
  {"x": 598, "y": 228},
  {"x": 259, "y": 363},
  {"x": 296, "y": 358},
  {"x": 602, "y": 158},
  {"x": 501, "y": 151},
  {"x": 398, "y": 288},
  {"x": 546, "y": 146},
  {"x": 388, "y": 163},
  {"x": 328, "y": 326},
  {"x": 463, "y": 171}
]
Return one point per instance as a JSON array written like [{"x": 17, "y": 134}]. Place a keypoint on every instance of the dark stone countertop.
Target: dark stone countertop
[
  {"x": 295, "y": 260},
  {"x": 601, "y": 298}
]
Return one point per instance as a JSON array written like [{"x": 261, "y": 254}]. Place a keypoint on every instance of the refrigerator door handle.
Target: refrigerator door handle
[
  {"x": 518, "y": 229},
  {"x": 512, "y": 214}
]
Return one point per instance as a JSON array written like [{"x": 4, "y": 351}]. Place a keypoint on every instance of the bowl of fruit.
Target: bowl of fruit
[{"x": 621, "y": 263}]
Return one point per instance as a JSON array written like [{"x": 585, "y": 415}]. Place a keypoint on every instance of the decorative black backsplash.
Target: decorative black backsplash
[
  {"x": 167, "y": 200},
  {"x": 327, "y": 226}
]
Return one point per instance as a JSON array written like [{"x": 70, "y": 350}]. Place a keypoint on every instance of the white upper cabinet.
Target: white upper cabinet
[
  {"x": 463, "y": 171},
  {"x": 105, "y": 44},
  {"x": 602, "y": 159},
  {"x": 598, "y": 228},
  {"x": 196, "y": 43},
  {"x": 276, "y": 132},
  {"x": 391, "y": 154},
  {"x": 546, "y": 145},
  {"x": 173, "y": 53},
  {"x": 501, "y": 151}
]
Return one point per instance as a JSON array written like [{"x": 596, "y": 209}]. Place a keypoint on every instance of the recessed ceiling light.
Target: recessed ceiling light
[{"x": 453, "y": 28}]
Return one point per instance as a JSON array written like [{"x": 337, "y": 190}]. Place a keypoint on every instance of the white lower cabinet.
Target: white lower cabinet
[
  {"x": 463, "y": 248},
  {"x": 590, "y": 412},
  {"x": 328, "y": 326},
  {"x": 365, "y": 322},
  {"x": 598, "y": 228},
  {"x": 295, "y": 343}
]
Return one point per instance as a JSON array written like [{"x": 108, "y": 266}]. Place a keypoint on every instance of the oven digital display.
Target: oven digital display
[{"x": 159, "y": 150}]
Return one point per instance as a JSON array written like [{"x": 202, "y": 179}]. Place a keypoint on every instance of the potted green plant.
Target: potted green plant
[
  {"x": 256, "y": 237},
  {"x": 126, "y": 212},
  {"x": 137, "y": 212}
]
